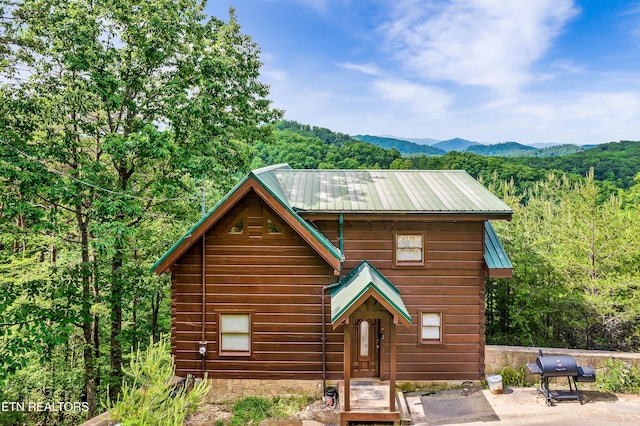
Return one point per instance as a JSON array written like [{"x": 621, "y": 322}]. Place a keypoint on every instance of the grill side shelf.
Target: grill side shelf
[{"x": 533, "y": 367}]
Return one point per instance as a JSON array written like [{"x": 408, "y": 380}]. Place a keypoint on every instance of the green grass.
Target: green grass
[{"x": 253, "y": 410}]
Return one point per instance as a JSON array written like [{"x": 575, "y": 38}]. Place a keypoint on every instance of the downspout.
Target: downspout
[
  {"x": 324, "y": 335},
  {"x": 202, "y": 347},
  {"x": 340, "y": 237},
  {"x": 203, "y": 342},
  {"x": 324, "y": 289}
]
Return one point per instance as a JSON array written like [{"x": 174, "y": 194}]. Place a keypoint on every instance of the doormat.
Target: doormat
[
  {"x": 373, "y": 395},
  {"x": 453, "y": 406},
  {"x": 360, "y": 385}
]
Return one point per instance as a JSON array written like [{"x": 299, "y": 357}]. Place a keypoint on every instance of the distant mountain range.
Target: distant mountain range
[{"x": 412, "y": 146}]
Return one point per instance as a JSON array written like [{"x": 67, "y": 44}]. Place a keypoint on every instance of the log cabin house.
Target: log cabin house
[{"x": 312, "y": 275}]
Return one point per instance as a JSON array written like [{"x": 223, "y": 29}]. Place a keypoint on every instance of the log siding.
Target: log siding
[
  {"x": 450, "y": 281},
  {"x": 278, "y": 278}
]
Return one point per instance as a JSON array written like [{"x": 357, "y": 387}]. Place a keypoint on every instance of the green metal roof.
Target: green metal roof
[
  {"x": 267, "y": 177},
  {"x": 494, "y": 255},
  {"x": 197, "y": 225},
  {"x": 387, "y": 191},
  {"x": 374, "y": 191},
  {"x": 356, "y": 283}
]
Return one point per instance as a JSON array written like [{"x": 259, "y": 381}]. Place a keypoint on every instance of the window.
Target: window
[
  {"x": 272, "y": 228},
  {"x": 238, "y": 228},
  {"x": 364, "y": 338},
  {"x": 234, "y": 334},
  {"x": 431, "y": 327},
  {"x": 271, "y": 225},
  {"x": 409, "y": 249}
]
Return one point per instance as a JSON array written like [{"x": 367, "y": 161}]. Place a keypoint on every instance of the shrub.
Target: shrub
[
  {"x": 147, "y": 396},
  {"x": 618, "y": 377},
  {"x": 250, "y": 411},
  {"x": 513, "y": 377}
]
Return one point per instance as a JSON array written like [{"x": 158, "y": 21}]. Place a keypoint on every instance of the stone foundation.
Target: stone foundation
[
  {"x": 227, "y": 390},
  {"x": 498, "y": 357}
]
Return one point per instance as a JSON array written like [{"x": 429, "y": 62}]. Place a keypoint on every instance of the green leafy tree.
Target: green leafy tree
[
  {"x": 114, "y": 113},
  {"x": 575, "y": 278}
]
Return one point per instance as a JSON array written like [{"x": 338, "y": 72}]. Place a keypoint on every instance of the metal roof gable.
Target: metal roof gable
[
  {"x": 353, "y": 290},
  {"x": 266, "y": 180}
]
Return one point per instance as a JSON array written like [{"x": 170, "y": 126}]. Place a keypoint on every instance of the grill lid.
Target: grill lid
[{"x": 557, "y": 365}]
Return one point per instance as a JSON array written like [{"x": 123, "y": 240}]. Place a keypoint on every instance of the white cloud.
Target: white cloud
[
  {"x": 492, "y": 43},
  {"x": 319, "y": 5},
  {"x": 568, "y": 67},
  {"x": 417, "y": 99},
  {"x": 272, "y": 74},
  {"x": 369, "y": 69},
  {"x": 631, "y": 20}
]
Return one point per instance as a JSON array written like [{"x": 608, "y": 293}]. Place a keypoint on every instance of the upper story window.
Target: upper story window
[
  {"x": 238, "y": 225},
  {"x": 238, "y": 228},
  {"x": 408, "y": 249},
  {"x": 272, "y": 228}
]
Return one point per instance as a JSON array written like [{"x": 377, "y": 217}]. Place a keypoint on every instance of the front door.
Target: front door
[{"x": 365, "y": 349}]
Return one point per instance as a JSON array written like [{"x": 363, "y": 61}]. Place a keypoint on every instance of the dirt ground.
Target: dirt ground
[{"x": 314, "y": 414}]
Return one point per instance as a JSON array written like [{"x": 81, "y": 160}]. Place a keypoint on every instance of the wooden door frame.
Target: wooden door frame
[{"x": 375, "y": 349}]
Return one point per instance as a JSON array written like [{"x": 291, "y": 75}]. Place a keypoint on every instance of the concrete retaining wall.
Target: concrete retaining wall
[{"x": 498, "y": 357}]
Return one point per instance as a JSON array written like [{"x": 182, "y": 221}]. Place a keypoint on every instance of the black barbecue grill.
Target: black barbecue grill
[{"x": 561, "y": 366}]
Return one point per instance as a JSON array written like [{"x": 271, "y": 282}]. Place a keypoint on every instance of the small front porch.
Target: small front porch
[
  {"x": 368, "y": 307},
  {"x": 369, "y": 400}
]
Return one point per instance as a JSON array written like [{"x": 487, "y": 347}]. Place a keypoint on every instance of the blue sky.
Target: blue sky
[{"x": 487, "y": 70}]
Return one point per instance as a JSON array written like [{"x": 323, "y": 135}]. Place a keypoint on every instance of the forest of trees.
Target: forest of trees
[
  {"x": 114, "y": 116},
  {"x": 115, "y": 120},
  {"x": 574, "y": 238}
]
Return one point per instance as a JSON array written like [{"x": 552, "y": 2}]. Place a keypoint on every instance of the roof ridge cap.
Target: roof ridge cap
[{"x": 270, "y": 168}]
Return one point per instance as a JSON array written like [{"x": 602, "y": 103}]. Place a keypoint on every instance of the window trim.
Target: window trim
[
  {"x": 431, "y": 342},
  {"x": 240, "y": 217},
  {"x": 266, "y": 216},
  {"x": 409, "y": 263},
  {"x": 221, "y": 351}
]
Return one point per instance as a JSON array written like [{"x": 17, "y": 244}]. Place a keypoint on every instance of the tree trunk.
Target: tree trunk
[
  {"x": 116, "y": 295},
  {"x": 134, "y": 326},
  {"x": 87, "y": 326},
  {"x": 115, "y": 301},
  {"x": 96, "y": 319},
  {"x": 155, "y": 310}
]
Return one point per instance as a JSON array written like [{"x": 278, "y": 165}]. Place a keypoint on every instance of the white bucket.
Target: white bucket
[{"x": 495, "y": 383}]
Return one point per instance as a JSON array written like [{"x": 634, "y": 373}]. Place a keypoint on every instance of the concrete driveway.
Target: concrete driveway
[{"x": 525, "y": 406}]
